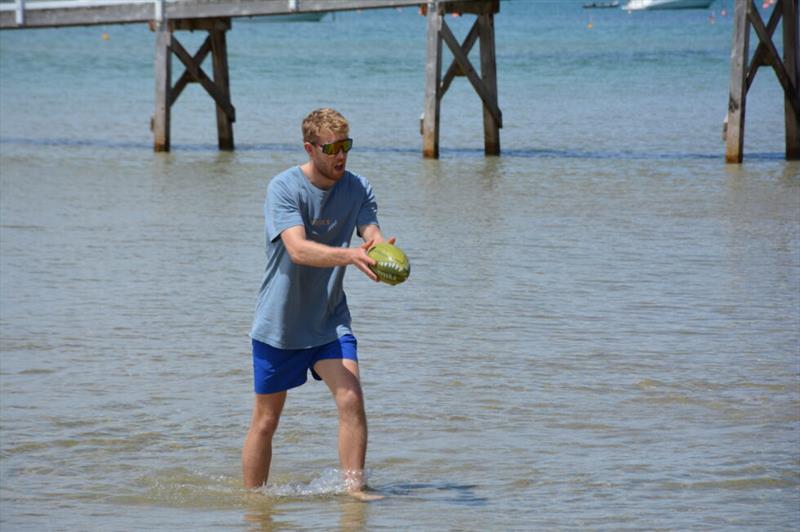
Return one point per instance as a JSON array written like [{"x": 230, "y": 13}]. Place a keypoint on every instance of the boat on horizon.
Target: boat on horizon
[
  {"x": 639, "y": 5},
  {"x": 601, "y": 5}
]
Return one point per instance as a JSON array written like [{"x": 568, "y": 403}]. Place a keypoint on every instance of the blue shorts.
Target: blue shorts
[{"x": 277, "y": 370}]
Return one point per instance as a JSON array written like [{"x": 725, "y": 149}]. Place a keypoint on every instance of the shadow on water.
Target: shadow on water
[
  {"x": 136, "y": 145},
  {"x": 445, "y": 153},
  {"x": 447, "y": 492},
  {"x": 532, "y": 153}
]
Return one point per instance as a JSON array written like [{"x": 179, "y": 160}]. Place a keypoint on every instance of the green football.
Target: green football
[{"x": 392, "y": 264}]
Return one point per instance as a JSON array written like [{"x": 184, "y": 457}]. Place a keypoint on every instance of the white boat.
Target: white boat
[{"x": 638, "y": 5}]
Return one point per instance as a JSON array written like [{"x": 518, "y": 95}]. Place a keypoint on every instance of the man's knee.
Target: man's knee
[
  {"x": 265, "y": 424},
  {"x": 350, "y": 402}
]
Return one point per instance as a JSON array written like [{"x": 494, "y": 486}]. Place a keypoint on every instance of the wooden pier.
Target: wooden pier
[
  {"x": 166, "y": 17},
  {"x": 743, "y": 71}
]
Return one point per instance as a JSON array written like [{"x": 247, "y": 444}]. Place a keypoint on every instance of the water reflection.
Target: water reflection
[
  {"x": 266, "y": 514},
  {"x": 352, "y": 514}
]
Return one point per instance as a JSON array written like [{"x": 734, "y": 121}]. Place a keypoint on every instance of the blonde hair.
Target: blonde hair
[{"x": 325, "y": 119}]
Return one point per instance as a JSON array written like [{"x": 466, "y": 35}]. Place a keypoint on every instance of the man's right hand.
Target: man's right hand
[{"x": 363, "y": 261}]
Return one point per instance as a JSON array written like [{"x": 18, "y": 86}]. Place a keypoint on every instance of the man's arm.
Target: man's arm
[
  {"x": 372, "y": 233},
  {"x": 310, "y": 253}
]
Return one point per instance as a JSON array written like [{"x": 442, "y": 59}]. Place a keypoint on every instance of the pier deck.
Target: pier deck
[{"x": 58, "y": 13}]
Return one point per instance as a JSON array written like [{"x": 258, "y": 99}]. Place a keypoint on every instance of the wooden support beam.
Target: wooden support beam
[
  {"x": 204, "y": 24},
  {"x": 734, "y": 140},
  {"x": 492, "y": 117},
  {"x": 791, "y": 61},
  {"x": 226, "y": 114},
  {"x": 163, "y": 75},
  {"x": 760, "y": 56},
  {"x": 433, "y": 79},
  {"x": 469, "y": 71},
  {"x": 772, "y": 55},
  {"x": 454, "y": 69},
  {"x": 474, "y": 7},
  {"x": 186, "y": 77},
  {"x": 217, "y": 92}
]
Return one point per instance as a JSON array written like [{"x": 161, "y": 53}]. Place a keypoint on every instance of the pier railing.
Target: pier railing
[{"x": 57, "y": 13}]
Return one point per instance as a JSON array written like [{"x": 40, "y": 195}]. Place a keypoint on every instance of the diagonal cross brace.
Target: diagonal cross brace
[
  {"x": 462, "y": 60},
  {"x": 187, "y": 77},
  {"x": 195, "y": 71},
  {"x": 770, "y": 53},
  {"x": 454, "y": 69},
  {"x": 760, "y": 56}
]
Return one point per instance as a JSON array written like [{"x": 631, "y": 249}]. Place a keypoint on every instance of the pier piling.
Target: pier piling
[{"x": 163, "y": 77}]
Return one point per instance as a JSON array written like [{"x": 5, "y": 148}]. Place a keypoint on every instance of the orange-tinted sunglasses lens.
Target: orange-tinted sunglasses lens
[{"x": 334, "y": 147}]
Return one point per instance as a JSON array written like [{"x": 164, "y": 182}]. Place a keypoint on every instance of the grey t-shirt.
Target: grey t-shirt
[{"x": 304, "y": 306}]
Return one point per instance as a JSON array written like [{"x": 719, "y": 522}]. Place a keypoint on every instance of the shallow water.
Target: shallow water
[{"x": 601, "y": 327}]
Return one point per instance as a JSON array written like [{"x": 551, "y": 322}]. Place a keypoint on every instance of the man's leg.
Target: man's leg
[
  {"x": 257, "y": 451},
  {"x": 341, "y": 376}
]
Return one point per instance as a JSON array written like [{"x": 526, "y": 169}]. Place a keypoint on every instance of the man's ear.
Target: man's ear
[{"x": 308, "y": 147}]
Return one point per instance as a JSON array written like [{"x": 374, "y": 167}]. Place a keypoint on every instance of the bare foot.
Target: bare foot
[{"x": 364, "y": 496}]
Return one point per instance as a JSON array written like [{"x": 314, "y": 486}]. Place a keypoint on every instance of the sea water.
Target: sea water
[{"x": 600, "y": 330}]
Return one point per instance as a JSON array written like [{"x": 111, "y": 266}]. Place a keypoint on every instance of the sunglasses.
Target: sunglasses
[{"x": 334, "y": 147}]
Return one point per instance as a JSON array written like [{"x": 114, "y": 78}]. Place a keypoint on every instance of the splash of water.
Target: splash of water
[{"x": 330, "y": 482}]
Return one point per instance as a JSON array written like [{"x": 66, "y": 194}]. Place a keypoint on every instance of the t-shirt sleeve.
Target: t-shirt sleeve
[
  {"x": 368, "y": 213},
  {"x": 281, "y": 209}
]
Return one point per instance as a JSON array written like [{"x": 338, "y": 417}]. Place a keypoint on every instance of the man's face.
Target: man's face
[{"x": 330, "y": 166}]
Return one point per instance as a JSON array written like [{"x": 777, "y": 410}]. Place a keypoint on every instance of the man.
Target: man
[{"x": 302, "y": 321}]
